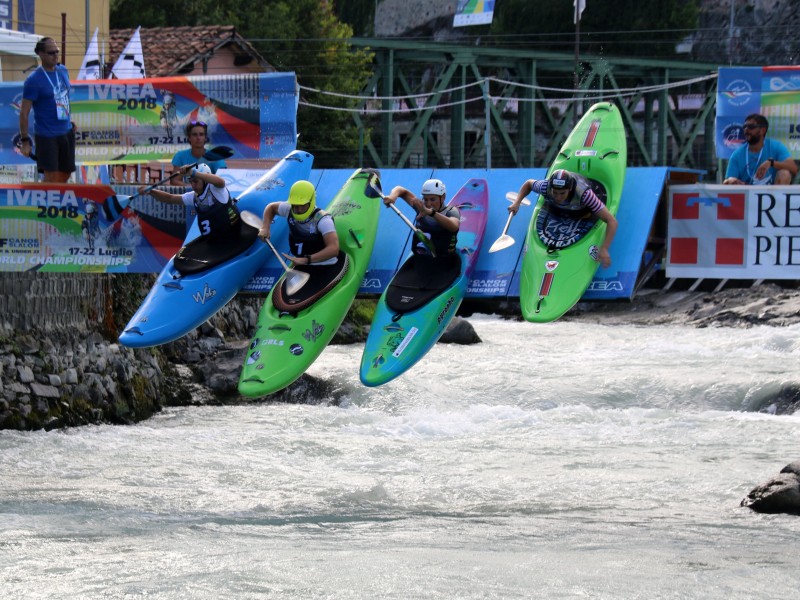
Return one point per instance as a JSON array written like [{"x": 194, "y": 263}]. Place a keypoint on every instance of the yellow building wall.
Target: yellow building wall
[{"x": 71, "y": 33}]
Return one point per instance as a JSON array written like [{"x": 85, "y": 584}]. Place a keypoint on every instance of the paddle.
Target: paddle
[
  {"x": 218, "y": 153},
  {"x": 294, "y": 279},
  {"x": 512, "y": 196},
  {"x": 113, "y": 206},
  {"x": 417, "y": 231},
  {"x": 505, "y": 240}
]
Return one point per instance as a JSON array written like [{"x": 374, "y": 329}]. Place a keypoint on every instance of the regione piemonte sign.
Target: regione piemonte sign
[{"x": 733, "y": 232}]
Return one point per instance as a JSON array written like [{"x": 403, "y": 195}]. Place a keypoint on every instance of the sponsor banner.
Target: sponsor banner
[
  {"x": 473, "y": 12},
  {"x": 733, "y": 232},
  {"x": 47, "y": 221},
  {"x": 140, "y": 120},
  {"x": 771, "y": 91},
  {"x": 86, "y": 228}
]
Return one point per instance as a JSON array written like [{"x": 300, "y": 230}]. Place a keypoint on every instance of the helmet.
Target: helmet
[
  {"x": 561, "y": 179},
  {"x": 202, "y": 168},
  {"x": 434, "y": 187},
  {"x": 91, "y": 208},
  {"x": 302, "y": 192}
]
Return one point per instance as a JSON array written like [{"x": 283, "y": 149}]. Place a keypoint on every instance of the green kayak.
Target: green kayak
[
  {"x": 559, "y": 261},
  {"x": 293, "y": 330}
]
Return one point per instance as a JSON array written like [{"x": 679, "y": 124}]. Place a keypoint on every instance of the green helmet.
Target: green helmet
[{"x": 301, "y": 193}]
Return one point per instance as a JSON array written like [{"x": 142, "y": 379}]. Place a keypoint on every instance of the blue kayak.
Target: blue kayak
[{"x": 188, "y": 293}]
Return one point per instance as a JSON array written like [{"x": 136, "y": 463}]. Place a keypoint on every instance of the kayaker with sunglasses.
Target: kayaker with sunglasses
[{"x": 760, "y": 160}]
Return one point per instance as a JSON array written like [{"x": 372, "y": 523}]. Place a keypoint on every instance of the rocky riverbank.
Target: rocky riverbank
[{"x": 61, "y": 376}]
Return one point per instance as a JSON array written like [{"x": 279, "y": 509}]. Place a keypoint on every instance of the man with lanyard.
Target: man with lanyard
[
  {"x": 312, "y": 235},
  {"x": 438, "y": 222},
  {"x": 760, "y": 160},
  {"x": 217, "y": 215},
  {"x": 46, "y": 91},
  {"x": 569, "y": 194}
]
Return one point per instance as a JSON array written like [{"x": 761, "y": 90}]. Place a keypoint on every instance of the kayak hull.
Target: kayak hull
[{"x": 397, "y": 341}]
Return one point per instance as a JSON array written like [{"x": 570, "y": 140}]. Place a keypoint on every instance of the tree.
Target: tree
[{"x": 303, "y": 36}]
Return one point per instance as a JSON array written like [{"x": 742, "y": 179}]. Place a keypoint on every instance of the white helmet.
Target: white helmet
[
  {"x": 434, "y": 187},
  {"x": 91, "y": 208},
  {"x": 202, "y": 168}
]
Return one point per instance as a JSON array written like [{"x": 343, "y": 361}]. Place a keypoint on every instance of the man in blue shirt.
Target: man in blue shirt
[
  {"x": 760, "y": 160},
  {"x": 46, "y": 91},
  {"x": 197, "y": 133}
]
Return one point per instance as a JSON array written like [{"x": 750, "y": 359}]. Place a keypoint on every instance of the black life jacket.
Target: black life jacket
[
  {"x": 218, "y": 219},
  {"x": 443, "y": 241},
  {"x": 302, "y": 241}
]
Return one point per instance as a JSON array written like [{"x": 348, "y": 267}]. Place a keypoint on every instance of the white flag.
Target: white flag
[
  {"x": 579, "y": 5},
  {"x": 91, "y": 67},
  {"x": 130, "y": 64}
]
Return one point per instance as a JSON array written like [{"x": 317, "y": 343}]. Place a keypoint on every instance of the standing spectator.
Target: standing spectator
[
  {"x": 760, "y": 160},
  {"x": 46, "y": 91},
  {"x": 197, "y": 132}
]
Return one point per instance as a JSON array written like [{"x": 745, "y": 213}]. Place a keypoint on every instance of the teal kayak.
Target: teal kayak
[
  {"x": 422, "y": 298},
  {"x": 559, "y": 254},
  {"x": 288, "y": 338}
]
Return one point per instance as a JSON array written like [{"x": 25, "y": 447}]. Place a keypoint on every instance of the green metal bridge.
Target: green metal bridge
[{"x": 440, "y": 105}]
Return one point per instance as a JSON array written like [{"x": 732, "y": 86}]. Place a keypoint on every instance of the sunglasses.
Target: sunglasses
[
  {"x": 751, "y": 126},
  {"x": 201, "y": 123}
]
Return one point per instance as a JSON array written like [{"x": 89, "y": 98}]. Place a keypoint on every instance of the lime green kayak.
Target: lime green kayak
[
  {"x": 559, "y": 261},
  {"x": 288, "y": 341}
]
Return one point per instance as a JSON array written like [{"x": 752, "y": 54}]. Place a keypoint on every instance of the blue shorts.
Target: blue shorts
[{"x": 56, "y": 153}]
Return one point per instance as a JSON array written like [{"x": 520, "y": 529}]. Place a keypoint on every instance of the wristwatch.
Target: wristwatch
[
  {"x": 771, "y": 162},
  {"x": 308, "y": 258}
]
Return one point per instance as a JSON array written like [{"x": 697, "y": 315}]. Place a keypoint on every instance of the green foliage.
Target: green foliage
[
  {"x": 130, "y": 14},
  {"x": 359, "y": 14},
  {"x": 304, "y": 36},
  {"x": 317, "y": 49}
]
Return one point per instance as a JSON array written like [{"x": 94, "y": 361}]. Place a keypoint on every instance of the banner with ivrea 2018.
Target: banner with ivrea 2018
[
  {"x": 141, "y": 120},
  {"x": 734, "y": 232}
]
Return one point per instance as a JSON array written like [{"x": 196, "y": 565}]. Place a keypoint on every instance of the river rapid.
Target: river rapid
[{"x": 566, "y": 460}]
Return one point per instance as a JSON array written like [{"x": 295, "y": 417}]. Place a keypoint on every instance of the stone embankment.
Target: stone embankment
[{"x": 60, "y": 364}]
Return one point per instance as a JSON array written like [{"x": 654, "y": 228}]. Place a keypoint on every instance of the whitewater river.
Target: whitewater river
[{"x": 551, "y": 461}]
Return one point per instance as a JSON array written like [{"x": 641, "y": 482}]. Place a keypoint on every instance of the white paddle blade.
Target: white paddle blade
[
  {"x": 252, "y": 219},
  {"x": 512, "y": 196},
  {"x": 295, "y": 280},
  {"x": 501, "y": 243}
]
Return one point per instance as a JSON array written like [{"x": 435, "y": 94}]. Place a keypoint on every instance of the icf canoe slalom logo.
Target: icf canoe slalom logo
[
  {"x": 733, "y": 136},
  {"x": 738, "y": 92},
  {"x": 551, "y": 265}
]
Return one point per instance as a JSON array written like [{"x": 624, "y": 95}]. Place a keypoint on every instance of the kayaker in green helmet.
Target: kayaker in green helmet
[{"x": 312, "y": 235}]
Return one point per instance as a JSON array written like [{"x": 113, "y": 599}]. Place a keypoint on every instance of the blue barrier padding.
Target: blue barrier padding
[
  {"x": 496, "y": 275},
  {"x": 640, "y": 196}
]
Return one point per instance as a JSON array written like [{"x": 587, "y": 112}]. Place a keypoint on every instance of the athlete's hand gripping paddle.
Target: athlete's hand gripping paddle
[
  {"x": 113, "y": 207},
  {"x": 417, "y": 232},
  {"x": 294, "y": 279}
]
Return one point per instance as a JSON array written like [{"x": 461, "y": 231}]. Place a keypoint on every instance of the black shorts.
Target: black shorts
[{"x": 56, "y": 153}]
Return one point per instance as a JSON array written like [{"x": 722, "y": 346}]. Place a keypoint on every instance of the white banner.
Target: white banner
[{"x": 733, "y": 232}]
